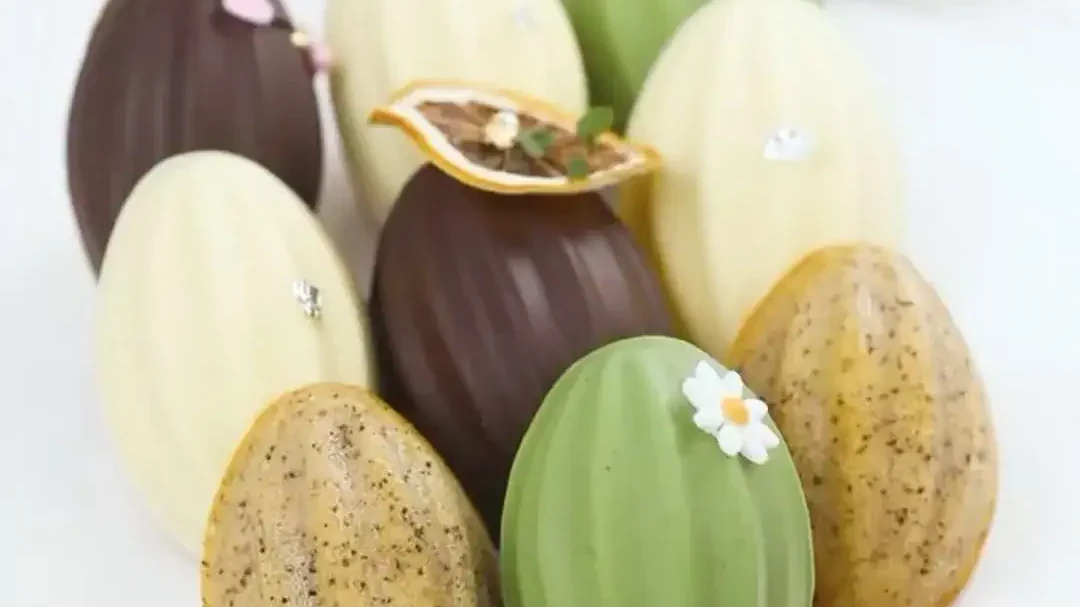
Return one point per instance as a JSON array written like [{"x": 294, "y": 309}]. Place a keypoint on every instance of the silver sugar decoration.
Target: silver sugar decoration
[
  {"x": 523, "y": 14},
  {"x": 309, "y": 297},
  {"x": 787, "y": 144}
]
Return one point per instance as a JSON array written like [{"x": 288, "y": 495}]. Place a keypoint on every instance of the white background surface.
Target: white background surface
[{"x": 986, "y": 97}]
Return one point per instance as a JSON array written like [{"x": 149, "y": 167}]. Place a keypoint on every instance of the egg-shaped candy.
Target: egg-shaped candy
[
  {"x": 163, "y": 77},
  {"x": 380, "y": 47},
  {"x": 219, "y": 291},
  {"x": 774, "y": 143},
  {"x": 333, "y": 499},
  {"x": 497, "y": 269},
  {"x": 879, "y": 399},
  {"x": 652, "y": 476}
]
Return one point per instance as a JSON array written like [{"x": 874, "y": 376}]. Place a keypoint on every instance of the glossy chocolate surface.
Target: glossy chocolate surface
[
  {"x": 480, "y": 301},
  {"x": 161, "y": 77}
]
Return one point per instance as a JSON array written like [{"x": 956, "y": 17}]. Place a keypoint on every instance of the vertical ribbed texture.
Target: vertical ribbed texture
[
  {"x": 875, "y": 391},
  {"x": 620, "y": 40},
  {"x": 617, "y": 499},
  {"x": 161, "y": 77},
  {"x": 333, "y": 500},
  {"x": 480, "y": 301},
  {"x": 721, "y": 220},
  {"x": 381, "y": 46},
  {"x": 197, "y": 327}
]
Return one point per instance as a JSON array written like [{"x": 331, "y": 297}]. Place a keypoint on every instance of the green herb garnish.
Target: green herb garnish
[
  {"x": 577, "y": 167},
  {"x": 596, "y": 121},
  {"x": 536, "y": 142}
]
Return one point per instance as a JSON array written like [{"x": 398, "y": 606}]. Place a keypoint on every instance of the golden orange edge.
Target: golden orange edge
[
  {"x": 647, "y": 158},
  {"x": 787, "y": 282},
  {"x": 264, "y": 417},
  {"x": 751, "y": 325}
]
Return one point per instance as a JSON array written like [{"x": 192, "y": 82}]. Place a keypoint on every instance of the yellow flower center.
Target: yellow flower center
[{"x": 735, "y": 411}]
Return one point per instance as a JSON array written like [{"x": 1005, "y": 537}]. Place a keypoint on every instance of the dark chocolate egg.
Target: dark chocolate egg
[
  {"x": 162, "y": 77},
  {"x": 481, "y": 301}
]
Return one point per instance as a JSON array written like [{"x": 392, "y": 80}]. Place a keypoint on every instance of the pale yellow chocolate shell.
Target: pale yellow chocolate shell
[
  {"x": 774, "y": 142},
  {"x": 333, "y": 499},
  {"x": 380, "y": 47},
  {"x": 877, "y": 396},
  {"x": 197, "y": 324}
]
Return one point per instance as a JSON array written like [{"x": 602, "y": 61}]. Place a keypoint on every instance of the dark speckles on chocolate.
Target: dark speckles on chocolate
[
  {"x": 333, "y": 499},
  {"x": 162, "y": 77},
  {"x": 875, "y": 392}
]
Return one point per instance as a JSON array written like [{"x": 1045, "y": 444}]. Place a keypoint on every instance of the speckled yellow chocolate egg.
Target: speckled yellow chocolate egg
[
  {"x": 333, "y": 499},
  {"x": 876, "y": 394}
]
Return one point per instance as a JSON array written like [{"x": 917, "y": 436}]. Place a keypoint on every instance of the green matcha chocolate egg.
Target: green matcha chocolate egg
[
  {"x": 332, "y": 499},
  {"x": 620, "y": 40},
  {"x": 651, "y": 477},
  {"x": 874, "y": 388}
]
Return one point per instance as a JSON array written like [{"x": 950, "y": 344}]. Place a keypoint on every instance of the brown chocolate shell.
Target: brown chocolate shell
[
  {"x": 481, "y": 300},
  {"x": 162, "y": 77}
]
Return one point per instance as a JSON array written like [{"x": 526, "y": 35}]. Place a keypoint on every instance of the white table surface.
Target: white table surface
[{"x": 987, "y": 100}]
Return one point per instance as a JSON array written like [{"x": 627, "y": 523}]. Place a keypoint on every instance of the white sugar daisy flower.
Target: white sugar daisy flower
[
  {"x": 723, "y": 411},
  {"x": 502, "y": 129}
]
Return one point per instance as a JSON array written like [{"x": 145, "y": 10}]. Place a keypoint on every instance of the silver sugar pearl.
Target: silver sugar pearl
[
  {"x": 523, "y": 14},
  {"x": 787, "y": 145},
  {"x": 309, "y": 297}
]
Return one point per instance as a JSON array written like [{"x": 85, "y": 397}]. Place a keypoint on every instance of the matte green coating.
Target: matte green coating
[
  {"x": 620, "y": 40},
  {"x": 617, "y": 499}
]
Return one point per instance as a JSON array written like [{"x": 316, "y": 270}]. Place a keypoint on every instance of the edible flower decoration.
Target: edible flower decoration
[
  {"x": 502, "y": 130},
  {"x": 722, "y": 409},
  {"x": 262, "y": 13},
  {"x": 508, "y": 142}
]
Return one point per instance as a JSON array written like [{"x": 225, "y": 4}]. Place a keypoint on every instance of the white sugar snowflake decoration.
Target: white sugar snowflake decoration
[{"x": 736, "y": 422}]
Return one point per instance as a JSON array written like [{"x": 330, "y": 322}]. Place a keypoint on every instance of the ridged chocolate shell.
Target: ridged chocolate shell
[
  {"x": 881, "y": 403},
  {"x": 161, "y": 77},
  {"x": 481, "y": 301},
  {"x": 332, "y": 500}
]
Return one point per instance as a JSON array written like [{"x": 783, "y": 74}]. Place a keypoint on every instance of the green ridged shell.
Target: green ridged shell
[
  {"x": 617, "y": 499},
  {"x": 620, "y": 40}
]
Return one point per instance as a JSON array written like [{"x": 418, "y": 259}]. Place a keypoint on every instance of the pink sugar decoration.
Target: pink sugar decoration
[
  {"x": 320, "y": 56},
  {"x": 256, "y": 12}
]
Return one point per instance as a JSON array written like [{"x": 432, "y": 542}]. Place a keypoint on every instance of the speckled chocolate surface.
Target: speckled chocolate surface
[
  {"x": 481, "y": 301},
  {"x": 878, "y": 398},
  {"x": 332, "y": 500},
  {"x": 162, "y": 77}
]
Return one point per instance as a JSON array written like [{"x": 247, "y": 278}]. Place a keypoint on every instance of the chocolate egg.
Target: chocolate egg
[
  {"x": 480, "y": 302},
  {"x": 382, "y": 45},
  {"x": 218, "y": 292},
  {"x": 331, "y": 500},
  {"x": 161, "y": 77},
  {"x": 879, "y": 399},
  {"x": 802, "y": 156}
]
